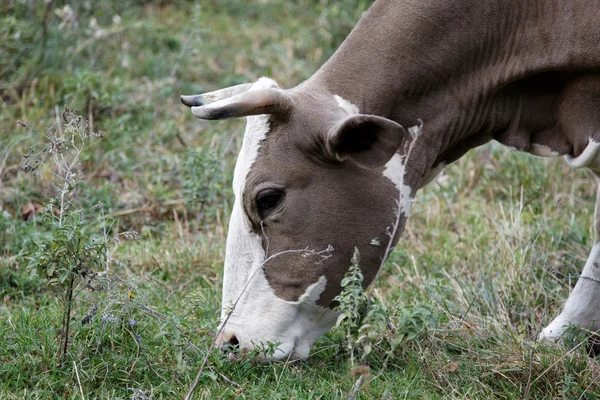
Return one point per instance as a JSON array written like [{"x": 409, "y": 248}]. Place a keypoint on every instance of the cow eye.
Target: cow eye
[{"x": 268, "y": 199}]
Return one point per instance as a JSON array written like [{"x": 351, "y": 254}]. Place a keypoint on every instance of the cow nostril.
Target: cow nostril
[
  {"x": 232, "y": 345},
  {"x": 233, "y": 341}
]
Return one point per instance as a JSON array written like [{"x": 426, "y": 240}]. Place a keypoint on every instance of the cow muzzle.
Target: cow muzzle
[{"x": 229, "y": 344}]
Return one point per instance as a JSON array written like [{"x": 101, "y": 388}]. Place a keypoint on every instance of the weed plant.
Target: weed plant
[
  {"x": 69, "y": 256},
  {"x": 99, "y": 307}
]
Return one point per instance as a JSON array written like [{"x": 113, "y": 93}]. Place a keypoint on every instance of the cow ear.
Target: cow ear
[{"x": 368, "y": 140}]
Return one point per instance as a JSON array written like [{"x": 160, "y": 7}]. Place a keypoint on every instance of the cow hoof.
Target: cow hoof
[
  {"x": 558, "y": 330},
  {"x": 555, "y": 330}
]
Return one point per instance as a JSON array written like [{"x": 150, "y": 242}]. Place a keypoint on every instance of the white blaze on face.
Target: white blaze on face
[{"x": 259, "y": 316}]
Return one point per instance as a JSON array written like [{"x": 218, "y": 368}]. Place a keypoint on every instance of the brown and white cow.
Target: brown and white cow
[{"x": 322, "y": 165}]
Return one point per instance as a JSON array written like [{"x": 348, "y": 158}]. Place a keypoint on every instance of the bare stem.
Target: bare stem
[
  {"x": 356, "y": 388},
  {"x": 67, "y": 322}
]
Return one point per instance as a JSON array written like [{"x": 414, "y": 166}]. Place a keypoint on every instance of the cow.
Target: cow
[{"x": 325, "y": 168}]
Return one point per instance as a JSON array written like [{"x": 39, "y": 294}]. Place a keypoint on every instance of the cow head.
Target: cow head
[{"x": 314, "y": 180}]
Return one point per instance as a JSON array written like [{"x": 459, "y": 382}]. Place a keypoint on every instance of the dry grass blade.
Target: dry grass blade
[
  {"x": 78, "y": 380},
  {"x": 561, "y": 358}
]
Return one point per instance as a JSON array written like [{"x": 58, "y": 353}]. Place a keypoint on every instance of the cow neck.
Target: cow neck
[{"x": 438, "y": 60}]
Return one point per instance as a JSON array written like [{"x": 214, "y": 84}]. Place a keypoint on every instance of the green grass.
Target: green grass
[{"x": 489, "y": 256}]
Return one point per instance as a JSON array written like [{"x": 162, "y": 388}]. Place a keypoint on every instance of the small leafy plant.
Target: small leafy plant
[
  {"x": 67, "y": 257},
  {"x": 74, "y": 260},
  {"x": 202, "y": 175},
  {"x": 362, "y": 319},
  {"x": 351, "y": 304},
  {"x": 372, "y": 333}
]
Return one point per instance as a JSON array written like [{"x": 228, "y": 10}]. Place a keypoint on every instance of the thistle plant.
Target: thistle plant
[
  {"x": 361, "y": 320},
  {"x": 368, "y": 324},
  {"x": 70, "y": 257}
]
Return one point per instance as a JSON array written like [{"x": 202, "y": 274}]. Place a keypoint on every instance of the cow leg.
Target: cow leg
[{"x": 582, "y": 308}]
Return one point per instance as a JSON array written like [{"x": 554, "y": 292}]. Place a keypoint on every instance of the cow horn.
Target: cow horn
[
  {"x": 262, "y": 101},
  {"x": 211, "y": 97}
]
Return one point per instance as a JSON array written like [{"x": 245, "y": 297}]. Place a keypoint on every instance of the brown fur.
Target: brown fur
[{"x": 328, "y": 202}]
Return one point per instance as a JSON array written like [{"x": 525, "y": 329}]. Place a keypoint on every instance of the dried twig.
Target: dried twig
[
  {"x": 139, "y": 349},
  {"x": 528, "y": 386},
  {"x": 356, "y": 388},
  {"x": 557, "y": 361},
  {"x": 3, "y": 168},
  {"x": 588, "y": 387},
  {"x": 226, "y": 379},
  {"x": 455, "y": 226},
  {"x": 180, "y": 288},
  {"x": 78, "y": 380},
  {"x": 144, "y": 209}
]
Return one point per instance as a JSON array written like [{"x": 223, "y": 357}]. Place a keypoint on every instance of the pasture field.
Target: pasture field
[{"x": 133, "y": 262}]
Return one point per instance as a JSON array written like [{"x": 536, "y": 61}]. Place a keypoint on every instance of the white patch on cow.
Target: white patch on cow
[
  {"x": 244, "y": 248},
  {"x": 375, "y": 242},
  {"x": 394, "y": 171},
  {"x": 415, "y": 130},
  {"x": 432, "y": 174},
  {"x": 259, "y": 315},
  {"x": 590, "y": 157},
  {"x": 582, "y": 308},
  {"x": 583, "y": 305},
  {"x": 541, "y": 150},
  {"x": 350, "y": 108}
]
